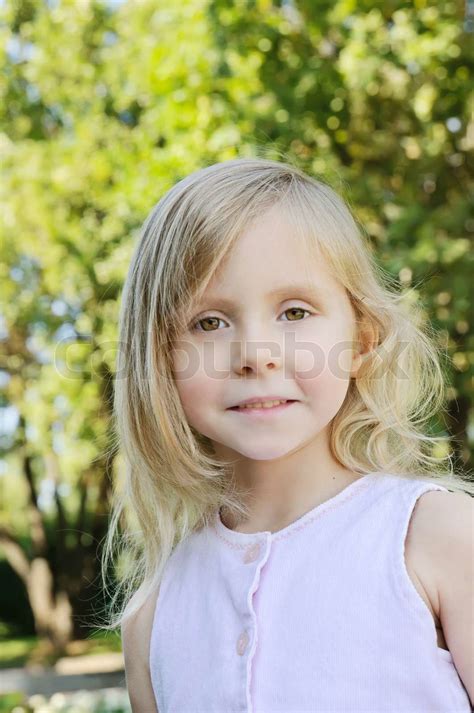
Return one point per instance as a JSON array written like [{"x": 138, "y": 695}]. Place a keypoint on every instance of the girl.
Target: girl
[{"x": 296, "y": 544}]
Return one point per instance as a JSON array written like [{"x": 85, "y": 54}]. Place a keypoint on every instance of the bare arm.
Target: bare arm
[
  {"x": 136, "y": 633},
  {"x": 446, "y": 529},
  {"x": 456, "y": 587}
]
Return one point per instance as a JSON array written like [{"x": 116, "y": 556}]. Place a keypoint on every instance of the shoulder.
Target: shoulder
[
  {"x": 443, "y": 539},
  {"x": 444, "y": 526},
  {"x": 446, "y": 520},
  {"x": 441, "y": 533},
  {"x": 439, "y": 538},
  {"x": 136, "y": 635}
]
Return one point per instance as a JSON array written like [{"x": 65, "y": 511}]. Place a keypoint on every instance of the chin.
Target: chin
[{"x": 262, "y": 451}]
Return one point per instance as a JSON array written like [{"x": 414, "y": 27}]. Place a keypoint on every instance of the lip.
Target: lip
[
  {"x": 259, "y": 412},
  {"x": 261, "y": 399}
]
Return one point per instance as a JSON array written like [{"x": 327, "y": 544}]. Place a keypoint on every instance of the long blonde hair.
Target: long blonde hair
[{"x": 172, "y": 482}]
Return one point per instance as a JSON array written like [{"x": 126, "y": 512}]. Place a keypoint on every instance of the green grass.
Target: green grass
[
  {"x": 104, "y": 641},
  {"x": 105, "y": 701},
  {"x": 9, "y": 701},
  {"x": 16, "y": 652}
]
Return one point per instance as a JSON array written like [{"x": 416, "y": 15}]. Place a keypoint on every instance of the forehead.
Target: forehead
[
  {"x": 305, "y": 291},
  {"x": 272, "y": 258}
]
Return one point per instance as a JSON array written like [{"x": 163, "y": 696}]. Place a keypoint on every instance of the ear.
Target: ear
[{"x": 367, "y": 340}]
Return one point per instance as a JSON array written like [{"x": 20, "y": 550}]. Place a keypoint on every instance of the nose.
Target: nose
[{"x": 256, "y": 357}]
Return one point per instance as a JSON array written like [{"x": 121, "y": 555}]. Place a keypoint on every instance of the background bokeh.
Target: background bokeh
[{"x": 103, "y": 107}]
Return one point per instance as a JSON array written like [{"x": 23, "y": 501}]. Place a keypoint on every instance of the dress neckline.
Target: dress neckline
[{"x": 236, "y": 538}]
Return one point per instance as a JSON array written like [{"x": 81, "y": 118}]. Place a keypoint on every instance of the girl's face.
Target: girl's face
[{"x": 269, "y": 324}]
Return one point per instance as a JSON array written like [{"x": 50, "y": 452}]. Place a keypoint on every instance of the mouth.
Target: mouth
[{"x": 263, "y": 410}]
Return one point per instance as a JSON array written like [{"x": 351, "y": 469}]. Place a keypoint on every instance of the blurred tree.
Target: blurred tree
[
  {"x": 375, "y": 97},
  {"x": 104, "y": 106}
]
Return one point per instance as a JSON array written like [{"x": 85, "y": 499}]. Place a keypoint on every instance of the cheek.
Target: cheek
[
  {"x": 206, "y": 359},
  {"x": 196, "y": 384},
  {"x": 193, "y": 394},
  {"x": 324, "y": 363}
]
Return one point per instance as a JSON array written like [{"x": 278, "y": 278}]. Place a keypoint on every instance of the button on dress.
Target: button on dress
[{"x": 319, "y": 616}]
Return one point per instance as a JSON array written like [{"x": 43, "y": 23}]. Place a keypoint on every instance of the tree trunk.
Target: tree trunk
[{"x": 52, "y": 612}]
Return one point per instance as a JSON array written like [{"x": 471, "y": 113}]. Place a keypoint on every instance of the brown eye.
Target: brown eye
[
  {"x": 214, "y": 321},
  {"x": 295, "y": 309},
  {"x": 206, "y": 319}
]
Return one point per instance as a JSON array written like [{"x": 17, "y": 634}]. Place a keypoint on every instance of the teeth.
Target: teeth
[{"x": 264, "y": 404}]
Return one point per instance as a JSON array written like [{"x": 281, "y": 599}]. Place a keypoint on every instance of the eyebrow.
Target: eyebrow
[{"x": 296, "y": 290}]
